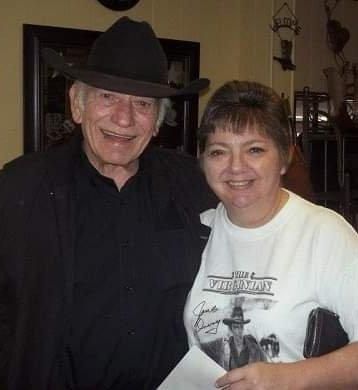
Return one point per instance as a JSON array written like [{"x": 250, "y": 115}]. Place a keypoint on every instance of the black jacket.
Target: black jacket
[{"x": 37, "y": 255}]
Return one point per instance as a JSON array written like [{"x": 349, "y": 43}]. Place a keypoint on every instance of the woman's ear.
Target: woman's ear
[
  {"x": 297, "y": 179},
  {"x": 283, "y": 170},
  {"x": 76, "y": 104},
  {"x": 288, "y": 162}
]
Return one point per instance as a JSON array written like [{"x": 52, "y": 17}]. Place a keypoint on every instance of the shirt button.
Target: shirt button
[{"x": 131, "y": 332}]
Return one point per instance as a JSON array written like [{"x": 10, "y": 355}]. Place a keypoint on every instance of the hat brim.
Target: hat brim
[
  {"x": 119, "y": 84},
  {"x": 230, "y": 321}
]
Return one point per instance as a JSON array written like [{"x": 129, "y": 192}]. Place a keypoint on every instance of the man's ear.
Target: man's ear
[{"x": 76, "y": 106}]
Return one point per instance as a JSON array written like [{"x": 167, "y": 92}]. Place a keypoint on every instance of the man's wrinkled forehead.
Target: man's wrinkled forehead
[{"x": 94, "y": 91}]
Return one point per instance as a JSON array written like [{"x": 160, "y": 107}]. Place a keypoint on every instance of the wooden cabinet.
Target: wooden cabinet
[{"x": 330, "y": 152}]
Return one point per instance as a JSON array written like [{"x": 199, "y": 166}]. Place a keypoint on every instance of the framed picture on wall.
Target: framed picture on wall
[{"x": 47, "y": 116}]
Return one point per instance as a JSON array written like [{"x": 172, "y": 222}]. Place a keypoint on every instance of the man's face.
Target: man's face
[
  {"x": 237, "y": 329},
  {"x": 116, "y": 127}
]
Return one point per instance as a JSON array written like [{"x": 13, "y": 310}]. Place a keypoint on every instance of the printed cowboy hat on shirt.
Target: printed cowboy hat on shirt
[
  {"x": 237, "y": 317},
  {"x": 127, "y": 58}
]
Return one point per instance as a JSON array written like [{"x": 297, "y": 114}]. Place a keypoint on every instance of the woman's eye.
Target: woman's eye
[
  {"x": 256, "y": 150},
  {"x": 215, "y": 153}
]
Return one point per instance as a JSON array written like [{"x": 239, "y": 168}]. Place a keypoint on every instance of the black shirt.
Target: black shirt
[
  {"x": 40, "y": 219},
  {"x": 128, "y": 279}
]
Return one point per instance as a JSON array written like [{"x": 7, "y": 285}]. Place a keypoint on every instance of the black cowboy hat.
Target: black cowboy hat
[
  {"x": 127, "y": 58},
  {"x": 237, "y": 317}
]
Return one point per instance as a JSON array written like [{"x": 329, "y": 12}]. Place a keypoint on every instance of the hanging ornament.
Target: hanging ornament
[{"x": 285, "y": 20}]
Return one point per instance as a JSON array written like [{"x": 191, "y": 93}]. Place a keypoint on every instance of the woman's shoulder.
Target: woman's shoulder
[
  {"x": 207, "y": 217},
  {"x": 321, "y": 219}
]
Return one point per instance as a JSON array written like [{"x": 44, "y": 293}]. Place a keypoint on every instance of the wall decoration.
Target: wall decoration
[
  {"x": 342, "y": 80},
  {"x": 118, "y": 5},
  {"x": 284, "y": 20}
]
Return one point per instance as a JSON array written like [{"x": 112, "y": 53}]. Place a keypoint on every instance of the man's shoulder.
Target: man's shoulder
[
  {"x": 177, "y": 169},
  {"x": 213, "y": 345},
  {"x": 181, "y": 169},
  {"x": 172, "y": 158},
  {"x": 184, "y": 176},
  {"x": 24, "y": 165},
  {"x": 250, "y": 342},
  {"x": 31, "y": 167}
]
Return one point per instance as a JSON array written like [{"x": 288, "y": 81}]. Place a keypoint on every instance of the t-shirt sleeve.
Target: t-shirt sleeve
[{"x": 207, "y": 217}]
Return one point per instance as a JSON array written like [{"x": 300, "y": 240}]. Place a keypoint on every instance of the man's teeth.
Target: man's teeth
[{"x": 113, "y": 134}]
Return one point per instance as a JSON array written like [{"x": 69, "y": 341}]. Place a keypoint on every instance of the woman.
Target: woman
[{"x": 271, "y": 255}]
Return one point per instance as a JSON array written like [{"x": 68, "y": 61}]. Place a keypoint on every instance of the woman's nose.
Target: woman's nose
[
  {"x": 237, "y": 161},
  {"x": 122, "y": 114}
]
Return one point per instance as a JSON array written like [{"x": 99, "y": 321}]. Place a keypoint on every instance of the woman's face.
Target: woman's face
[{"x": 244, "y": 170}]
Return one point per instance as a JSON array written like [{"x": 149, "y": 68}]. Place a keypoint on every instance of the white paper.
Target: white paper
[{"x": 196, "y": 371}]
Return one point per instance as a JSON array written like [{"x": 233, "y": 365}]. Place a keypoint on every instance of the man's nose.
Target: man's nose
[{"x": 122, "y": 114}]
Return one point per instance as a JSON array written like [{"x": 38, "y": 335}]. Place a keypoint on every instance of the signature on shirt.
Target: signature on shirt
[{"x": 200, "y": 324}]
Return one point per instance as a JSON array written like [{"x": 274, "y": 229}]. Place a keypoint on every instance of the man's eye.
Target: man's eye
[
  {"x": 144, "y": 104},
  {"x": 106, "y": 98}
]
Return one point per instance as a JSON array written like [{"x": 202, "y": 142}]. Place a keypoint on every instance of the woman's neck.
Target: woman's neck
[{"x": 250, "y": 219}]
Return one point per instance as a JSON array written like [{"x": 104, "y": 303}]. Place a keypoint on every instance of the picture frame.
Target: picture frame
[{"x": 46, "y": 110}]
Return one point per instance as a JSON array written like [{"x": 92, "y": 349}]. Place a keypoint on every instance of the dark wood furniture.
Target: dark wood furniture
[{"x": 330, "y": 151}]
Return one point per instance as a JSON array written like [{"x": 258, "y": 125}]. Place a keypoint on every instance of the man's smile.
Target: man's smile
[{"x": 112, "y": 134}]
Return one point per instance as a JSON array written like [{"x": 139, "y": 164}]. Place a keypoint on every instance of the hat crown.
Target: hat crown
[
  {"x": 127, "y": 58},
  {"x": 237, "y": 313},
  {"x": 237, "y": 317},
  {"x": 129, "y": 49}
]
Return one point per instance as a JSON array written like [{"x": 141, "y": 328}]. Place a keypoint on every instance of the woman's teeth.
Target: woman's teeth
[{"x": 239, "y": 184}]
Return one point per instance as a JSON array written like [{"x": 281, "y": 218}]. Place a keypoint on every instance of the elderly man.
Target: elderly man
[{"x": 100, "y": 238}]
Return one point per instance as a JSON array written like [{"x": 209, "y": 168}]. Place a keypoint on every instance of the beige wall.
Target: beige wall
[{"x": 234, "y": 35}]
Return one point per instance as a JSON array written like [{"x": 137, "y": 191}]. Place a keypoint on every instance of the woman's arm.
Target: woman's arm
[{"x": 334, "y": 371}]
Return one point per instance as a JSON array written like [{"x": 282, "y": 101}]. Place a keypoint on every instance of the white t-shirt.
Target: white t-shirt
[{"x": 305, "y": 257}]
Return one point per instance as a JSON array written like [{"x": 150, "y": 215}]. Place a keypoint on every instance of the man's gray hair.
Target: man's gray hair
[
  {"x": 164, "y": 106},
  {"x": 164, "y": 103}
]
